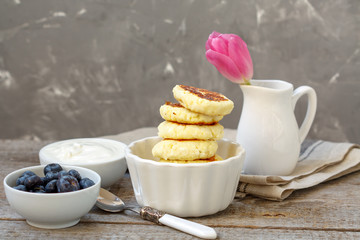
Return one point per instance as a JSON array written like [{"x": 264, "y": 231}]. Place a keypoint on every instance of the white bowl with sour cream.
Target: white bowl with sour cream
[{"x": 104, "y": 156}]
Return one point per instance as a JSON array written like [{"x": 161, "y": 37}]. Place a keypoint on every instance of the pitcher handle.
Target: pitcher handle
[{"x": 311, "y": 108}]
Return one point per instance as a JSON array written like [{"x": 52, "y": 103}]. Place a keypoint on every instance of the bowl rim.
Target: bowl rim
[
  {"x": 43, "y": 157},
  {"x": 51, "y": 195},
  {"x": 128, "y": 153}
]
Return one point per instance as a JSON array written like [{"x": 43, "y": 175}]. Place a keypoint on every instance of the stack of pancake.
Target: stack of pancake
[{"x": 191, "y": 127}]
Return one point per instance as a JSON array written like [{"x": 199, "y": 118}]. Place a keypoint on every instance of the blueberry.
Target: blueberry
[
  {"x": 28, "y": 173},
  {"x": 75, "y": 174},
  {"x": 86, "y": 182},
  {"x": 51, "y": 186},
  {"x": 32, "y": 181},
  {"x": 52, "y": 167},
  {"x": 51, "y": 176},
  {"x": 63, "y": 173},
  {"x": 43, "y": 180},
  {"x": 67, "y": 184},
  {"x": 20, "y": 180},
  {"x": 20, "y": 187},
  {"x": 38, "y": 189}
]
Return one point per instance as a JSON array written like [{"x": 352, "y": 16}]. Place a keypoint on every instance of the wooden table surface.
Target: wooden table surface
[{"x": 327, "y": 211}]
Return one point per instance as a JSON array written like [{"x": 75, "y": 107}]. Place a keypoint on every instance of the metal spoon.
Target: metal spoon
[{"x": 111, "y": 203}]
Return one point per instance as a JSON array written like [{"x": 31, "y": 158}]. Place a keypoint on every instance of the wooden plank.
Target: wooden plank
[
  {"x": 321, "y": 211},
  {"x": 20, "y": 230}
]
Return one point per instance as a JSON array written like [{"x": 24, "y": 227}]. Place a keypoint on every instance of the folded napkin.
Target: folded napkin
[{"x": 319, "y": 161}]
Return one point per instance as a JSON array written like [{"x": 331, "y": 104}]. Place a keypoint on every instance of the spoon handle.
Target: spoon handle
[
  {"x": 192, "y": 228},
  {"x": 181, "y": 224}
]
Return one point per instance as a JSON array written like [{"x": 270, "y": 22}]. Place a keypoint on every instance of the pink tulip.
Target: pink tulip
[{"x": 229, "y": 54}]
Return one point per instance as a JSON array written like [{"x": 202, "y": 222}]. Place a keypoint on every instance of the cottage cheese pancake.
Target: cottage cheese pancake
[
  {"x": 203, "y": 101},
  {"x": 168, "y": 149},
  {"x": 212, "y": 159},
  {"x": 175, "y": 112},
  {"x": 174, "y": 130}
]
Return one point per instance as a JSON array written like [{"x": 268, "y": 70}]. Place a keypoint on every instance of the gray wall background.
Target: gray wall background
[{"x": 86, "y": 68}]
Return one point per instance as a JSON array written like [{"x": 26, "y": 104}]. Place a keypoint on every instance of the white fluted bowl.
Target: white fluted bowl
[
  {"x": 185, "y": 190},
  {"x": 52, "y": 210}
]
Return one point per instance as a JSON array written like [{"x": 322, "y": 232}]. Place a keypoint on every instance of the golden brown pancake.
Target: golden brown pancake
[
  {"x": 203, "y": 101},
  {"x": 169, "y": 149},
  {"x": 212, "y": 159},
  {"x": 175, "y": 112},
  {"x": 174, "y": 130}
]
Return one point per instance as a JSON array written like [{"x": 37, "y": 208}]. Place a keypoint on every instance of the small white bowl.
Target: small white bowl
[
  {"x": 110, "y": 167},
  {"x": 52, "y": 210},
  {"x": 185, "y": 190}
]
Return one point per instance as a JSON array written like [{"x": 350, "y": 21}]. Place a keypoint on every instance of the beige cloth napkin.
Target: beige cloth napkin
[{"x": 319, "y": 161}]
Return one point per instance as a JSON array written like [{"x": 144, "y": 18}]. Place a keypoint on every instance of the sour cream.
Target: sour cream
[{"x": 83, "y": 151}]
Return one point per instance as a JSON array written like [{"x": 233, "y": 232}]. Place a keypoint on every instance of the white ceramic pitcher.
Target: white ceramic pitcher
[{"x": 268, "y": 129}]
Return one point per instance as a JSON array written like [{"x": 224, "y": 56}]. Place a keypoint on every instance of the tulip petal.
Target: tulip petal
[
  {"x": 212, "y": 36},
  {"x": 227, "y": 37},
  {"x": 225, "y": 66},
  {"x": 207, "y": 44},
  {"x": 219, "y": 45},
  {"x": 239, "y": 53}
]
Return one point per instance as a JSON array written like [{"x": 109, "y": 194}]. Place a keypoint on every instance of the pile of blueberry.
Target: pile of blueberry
[{"x": 56, "y": 180}]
